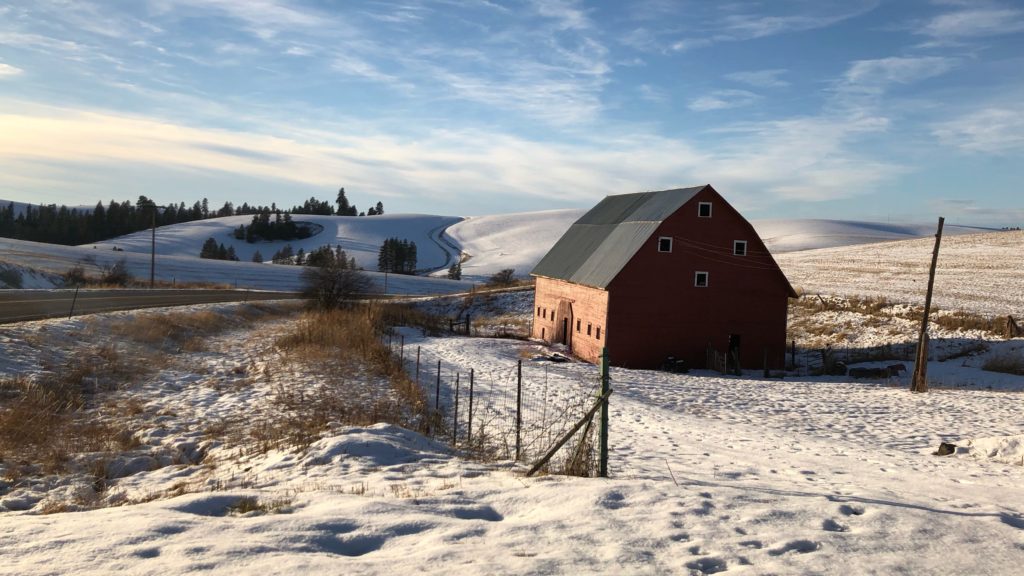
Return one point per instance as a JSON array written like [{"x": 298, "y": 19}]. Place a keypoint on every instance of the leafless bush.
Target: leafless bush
[{"x": 117, "y": 274}]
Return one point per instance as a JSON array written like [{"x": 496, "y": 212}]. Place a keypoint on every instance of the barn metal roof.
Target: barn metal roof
[{"x": 598, "y": 245}]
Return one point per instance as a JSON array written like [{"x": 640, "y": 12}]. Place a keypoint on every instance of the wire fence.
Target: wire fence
[{"x": 515, "y": 412}]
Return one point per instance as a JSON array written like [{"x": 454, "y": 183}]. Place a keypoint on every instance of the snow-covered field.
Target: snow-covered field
[
  {"x": 708, "y": 474},
  {"x": 982, "y": 273}
]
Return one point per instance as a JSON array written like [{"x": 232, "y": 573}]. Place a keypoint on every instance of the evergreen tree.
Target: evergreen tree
[{"x": 257, "y": 257}]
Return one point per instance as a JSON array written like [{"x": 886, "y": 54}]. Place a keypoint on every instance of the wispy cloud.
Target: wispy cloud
[
  {"x": 723, "y": 99},
  {"x": 996, "y": 130},
  {"x": 974, "y": 23},
  {"x": 567, "y": 13},
  {"x": 760, "y": 78},
  {"x": 652, "y": 93},
  {"x": 265, "y": 19},
  {"x": 873, "y": 77},
  {"x": 7, "y": 71}
]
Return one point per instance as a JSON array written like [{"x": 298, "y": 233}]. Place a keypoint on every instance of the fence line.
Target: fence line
[{"x": 513, "y": 412}]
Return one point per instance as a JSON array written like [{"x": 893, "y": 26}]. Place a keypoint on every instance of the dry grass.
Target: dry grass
[{"x": 358, "y": 380}]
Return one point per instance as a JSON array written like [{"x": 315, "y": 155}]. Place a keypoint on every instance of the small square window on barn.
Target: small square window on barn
[
  {"x": 588, "y": 328},
  {"x": 577, "y": 324},
  {"x": 704, "y": 209},
  {"x": 739, "y": 247},
  {"x": 665, "y": 244},
  {"x": 598, "y": 332},
  {"x": 700, "y": 279}
]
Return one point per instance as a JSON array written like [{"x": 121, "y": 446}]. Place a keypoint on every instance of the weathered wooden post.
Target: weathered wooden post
[
  {"x": 919, "y": 382},
  {"x": 417, "y": 366},
  {"x": 73, "y": 300}
]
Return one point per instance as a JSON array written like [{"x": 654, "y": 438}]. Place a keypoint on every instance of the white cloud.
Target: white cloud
[
  {"x": 760, "y": 78},
  {"x": 996, "y": 130},
  {"x": 567, "y": 13},
  {"x": 652, "y": 93},
  {"x": 874, "y": 77},
  {"x": 974, "y": 23},
  {"x": 6, "y": 70},
  {"x": 723, "y": 99}
]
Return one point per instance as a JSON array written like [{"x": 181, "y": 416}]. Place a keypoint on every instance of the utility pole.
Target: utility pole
[{"x": 919, "y": 381}]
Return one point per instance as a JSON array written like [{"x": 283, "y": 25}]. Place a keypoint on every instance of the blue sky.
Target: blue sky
[{"x": 854, "y": 109}]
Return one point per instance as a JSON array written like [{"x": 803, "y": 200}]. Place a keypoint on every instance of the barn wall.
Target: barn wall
[
  {"x": 656, "y": 311},
  {"x": 561, "y": 303}
]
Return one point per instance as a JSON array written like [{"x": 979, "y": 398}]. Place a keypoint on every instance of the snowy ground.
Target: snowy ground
[{"x": 708, "y": 474}]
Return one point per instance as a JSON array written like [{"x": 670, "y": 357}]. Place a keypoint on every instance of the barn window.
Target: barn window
[
  {"x": 700, "y": 279},
  {"x": 598, "y": 332},
  {"x": 704, "y": 209},
  {"x": 578, "y": 324},
  {"x": 665, "y": 244},
  {"x": 739, "y": 247},
  {"x": 538, "y": 310},
  {"x": 588, "y": 328}
]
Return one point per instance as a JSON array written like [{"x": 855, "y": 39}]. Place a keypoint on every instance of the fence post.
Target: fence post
[
  {"x": 437, "y": 390},
  {"x": 455, "y": 413},
  {"x": 401, "y": 349},
  {"x": 467, "y": 323},
  {"x": 602, "y": 470},
  {"x": 469, "y": 425},
  {"x": 417, "y": 366},
  {"x": 73, "y": 300},
  {"x": 519, "y": 409}
]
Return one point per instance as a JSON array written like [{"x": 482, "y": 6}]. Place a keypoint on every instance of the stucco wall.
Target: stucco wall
[{"x": 560, "y": 301}]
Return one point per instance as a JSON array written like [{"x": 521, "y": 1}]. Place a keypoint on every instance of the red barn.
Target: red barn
[{"x": 659, "y": 274}]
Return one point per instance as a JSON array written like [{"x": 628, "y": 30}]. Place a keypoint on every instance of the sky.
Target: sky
[{"x": 899, "y": 110}]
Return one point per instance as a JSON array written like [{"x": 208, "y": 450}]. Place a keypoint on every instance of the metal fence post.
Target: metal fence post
[
  {"x": 437, "y": 391},
  {"x": 603, "y": 466},
  {"x": 455, "y": 413},
  {"x": 519, "y": 409},
  {"x": 73, "y": 300},
  {"x": 417, "y": 366},
  {"x": 469, "y": 425}
]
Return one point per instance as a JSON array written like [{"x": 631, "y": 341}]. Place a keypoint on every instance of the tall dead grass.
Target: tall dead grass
[{"x": 346, "y": 349}]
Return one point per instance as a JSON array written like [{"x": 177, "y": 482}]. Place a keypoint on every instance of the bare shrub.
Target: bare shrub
[
  {"x": 505, "y": 277},
  {"x": 75, "y": 277},
  {"x": 10, "y": 277},
  {"x": 333, "y": 285},
  {"x": 117, "y": 274}
]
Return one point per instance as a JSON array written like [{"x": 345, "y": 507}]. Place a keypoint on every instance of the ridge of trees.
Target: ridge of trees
[
  {"x": 397, "y": 256},
  {"x": 55, "y": 224}
]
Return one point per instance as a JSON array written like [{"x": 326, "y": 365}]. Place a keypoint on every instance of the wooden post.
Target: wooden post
[
  {"x": 919, "y": 382},
  {"x": 602, "y": 469},
  {"x": 417, "y": 366},
  {"x": 401, "y": 349}
]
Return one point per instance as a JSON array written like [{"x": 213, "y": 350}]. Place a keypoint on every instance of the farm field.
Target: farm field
[{"x": 708, "y": 474}]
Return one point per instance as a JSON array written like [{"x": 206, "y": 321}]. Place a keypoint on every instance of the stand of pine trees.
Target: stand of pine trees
[
  {"x": 397, "y": 256},
  {"x": 55, "y": 224}
]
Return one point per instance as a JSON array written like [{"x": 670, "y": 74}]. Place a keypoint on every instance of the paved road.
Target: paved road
[{"x": 20, "y": 305}]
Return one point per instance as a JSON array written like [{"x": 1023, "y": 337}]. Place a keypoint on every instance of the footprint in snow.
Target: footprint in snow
[
  {"x": 849, "y": 510},
  {"x": 831, "y": 525},
  {"x": 708, "y": 565},
  {"x": 798, "y": 546}
]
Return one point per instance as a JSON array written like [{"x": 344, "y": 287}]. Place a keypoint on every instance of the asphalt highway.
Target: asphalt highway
[{"x": 21, "y": 305}]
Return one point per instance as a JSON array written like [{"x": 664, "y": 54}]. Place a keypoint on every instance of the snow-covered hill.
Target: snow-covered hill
[{"x": 361, "y": 238}]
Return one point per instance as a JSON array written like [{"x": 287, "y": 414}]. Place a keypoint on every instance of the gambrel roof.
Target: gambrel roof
[{"x": 598, "y": 245}]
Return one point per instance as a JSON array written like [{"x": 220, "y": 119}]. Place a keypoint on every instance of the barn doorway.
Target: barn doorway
[{"x": 565, "y": 330}]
